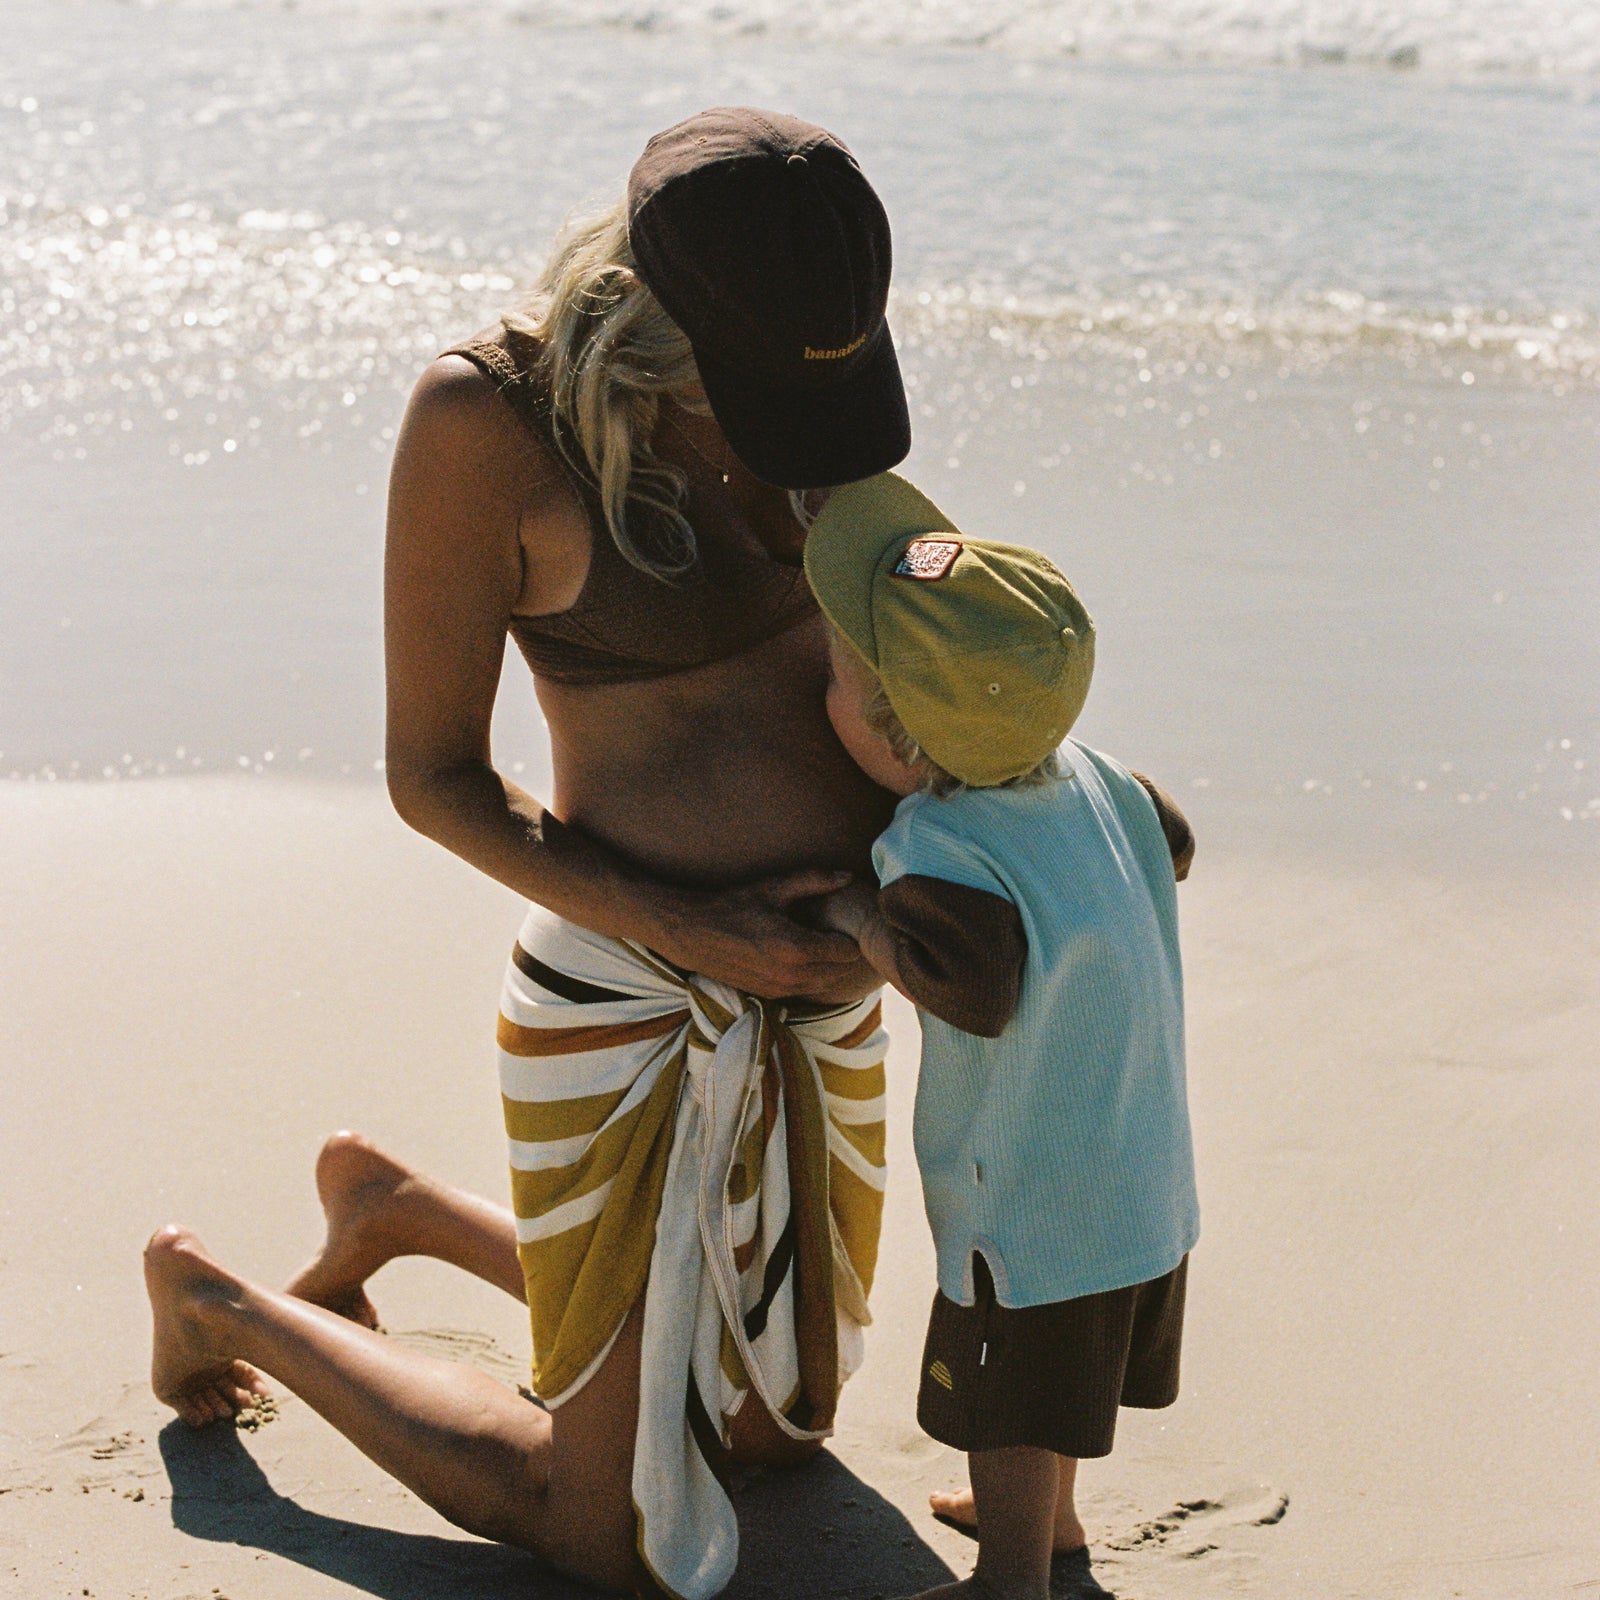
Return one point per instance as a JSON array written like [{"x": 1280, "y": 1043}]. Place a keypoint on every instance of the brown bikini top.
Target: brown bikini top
[{"x": 625, "y": 624}]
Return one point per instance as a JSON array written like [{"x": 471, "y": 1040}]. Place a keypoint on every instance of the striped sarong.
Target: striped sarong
[{"x": 720, "y": 1154}]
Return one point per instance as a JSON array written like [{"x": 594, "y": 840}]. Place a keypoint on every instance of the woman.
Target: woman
[{"x": 581, "y": 480}]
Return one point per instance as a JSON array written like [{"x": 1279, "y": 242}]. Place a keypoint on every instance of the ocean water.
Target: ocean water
[
  {"x": 1278, "y": 324},
  {"x": 1546, "y": 38}
]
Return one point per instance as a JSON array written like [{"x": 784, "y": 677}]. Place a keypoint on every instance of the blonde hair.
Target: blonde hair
[
  {"x": 884, "y": 720},
  {"x": 608, "y": 356}
]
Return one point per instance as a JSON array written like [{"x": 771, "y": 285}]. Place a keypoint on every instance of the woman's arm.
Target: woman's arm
[{"x": 465, "y": 476}]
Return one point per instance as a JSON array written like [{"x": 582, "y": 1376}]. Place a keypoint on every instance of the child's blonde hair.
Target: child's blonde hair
[{"x": 881, "y": 717}]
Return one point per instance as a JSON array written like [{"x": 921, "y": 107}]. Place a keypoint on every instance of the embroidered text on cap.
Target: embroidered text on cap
[{"x": 928, "y": 559}]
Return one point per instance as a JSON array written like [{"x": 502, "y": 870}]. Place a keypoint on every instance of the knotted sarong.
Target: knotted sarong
[{"x": 721, "y": 1154}]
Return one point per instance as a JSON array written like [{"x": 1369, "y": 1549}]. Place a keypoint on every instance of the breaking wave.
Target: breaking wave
[
  {"x": 107, "y": 313},
  {"x": 1542, "y": 38}
]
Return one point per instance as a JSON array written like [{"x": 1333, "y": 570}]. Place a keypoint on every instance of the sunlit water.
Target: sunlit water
[{"x": 1294, "y": 369}]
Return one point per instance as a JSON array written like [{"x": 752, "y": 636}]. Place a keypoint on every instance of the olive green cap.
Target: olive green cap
[{"x": 983, "y": 649}]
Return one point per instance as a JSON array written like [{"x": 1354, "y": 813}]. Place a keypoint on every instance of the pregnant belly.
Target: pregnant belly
[{"x": 719, "y": 774}]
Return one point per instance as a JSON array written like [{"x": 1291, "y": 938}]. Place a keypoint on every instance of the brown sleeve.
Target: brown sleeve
[
  {"x": 1180, "y": 836},
  {"x": 960, "y": 950}
]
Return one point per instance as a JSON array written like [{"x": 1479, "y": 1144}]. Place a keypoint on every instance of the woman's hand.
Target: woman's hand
[{"x": 749, "y": 937}]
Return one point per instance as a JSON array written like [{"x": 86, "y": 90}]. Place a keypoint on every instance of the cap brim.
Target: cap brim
[
  {"x": 862, "y": 526},
  {"x": 814, "y": 437}
]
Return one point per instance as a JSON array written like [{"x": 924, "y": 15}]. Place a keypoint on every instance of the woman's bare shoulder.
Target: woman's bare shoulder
[
  {"x": 465, "y": 461},
  {"x": 457, "y": 415}
]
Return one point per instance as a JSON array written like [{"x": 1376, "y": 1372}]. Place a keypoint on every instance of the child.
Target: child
[{"x": 1027, "y": 907}]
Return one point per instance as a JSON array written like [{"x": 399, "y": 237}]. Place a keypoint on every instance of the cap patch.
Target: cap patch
[{"x": 928, "y": 559}]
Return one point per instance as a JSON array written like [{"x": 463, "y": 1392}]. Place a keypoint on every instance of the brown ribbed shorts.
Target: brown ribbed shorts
[{"x": 1050, "y": 1376}]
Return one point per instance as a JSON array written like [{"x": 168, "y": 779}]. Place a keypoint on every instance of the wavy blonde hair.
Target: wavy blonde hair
[{"x": 609, "y": 355}]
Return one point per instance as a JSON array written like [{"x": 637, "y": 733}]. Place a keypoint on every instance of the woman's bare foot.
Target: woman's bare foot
[
  {"x": 190, "y": 1369},
  {"x": 365, "y": 1194}
]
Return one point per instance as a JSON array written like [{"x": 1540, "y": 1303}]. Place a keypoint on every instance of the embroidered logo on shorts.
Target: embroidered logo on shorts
[
  {"x": 928, "y": 559},
  {"x": 940, "y": 1374}
]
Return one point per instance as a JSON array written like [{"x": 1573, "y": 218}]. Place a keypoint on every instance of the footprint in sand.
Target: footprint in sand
[
  {"x": 1195, "y": 1528},
  {"x": 111, "y": 1451}
]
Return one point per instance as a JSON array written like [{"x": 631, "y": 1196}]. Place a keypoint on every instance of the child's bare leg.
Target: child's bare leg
[
  {"x": 1014, "y": 1493},
  {"x": 1069, "y": 1533},
  {"x": 379, "y": 1208},
  {"x": 957, "y": 1506}
]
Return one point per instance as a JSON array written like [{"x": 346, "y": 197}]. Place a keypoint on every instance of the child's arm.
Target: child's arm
[
  {"x": 854, "y": 912},
  {"x": 1179, "y": 835},
  {"x": 954, "y": 951}
]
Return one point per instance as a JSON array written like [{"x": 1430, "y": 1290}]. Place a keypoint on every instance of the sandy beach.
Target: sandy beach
[{"x": 1390, "y": 1374}]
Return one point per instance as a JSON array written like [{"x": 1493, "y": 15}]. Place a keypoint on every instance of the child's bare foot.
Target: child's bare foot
[
  {"x": 364, "y": 1194},
  {"x": 190, "y": 1369},
  {"x": 958, "y": 1508}
]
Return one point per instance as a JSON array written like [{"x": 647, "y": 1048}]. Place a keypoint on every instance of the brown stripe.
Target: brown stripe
[
  {"x": 562, "y": 983},
  {"x": 862, "y": 1031},
  {"x": 517, "y": 1040},
  {"x": 815, "y": 1330}
]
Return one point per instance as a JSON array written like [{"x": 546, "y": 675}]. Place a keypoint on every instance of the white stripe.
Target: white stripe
[
  {"x": 840, "y": 1146},
  {"x": 560, "y": 1219},
  {"x": 857, "y": 1111},
  {"x": 569, "y": 1077},
  {"x": 858, "y": 1058},
  {"x": 742, "y": 1218},
  {"x": 529, "y": 1006},
  {"x": 538, "y": 1155},
  {"x": 528, "y": 1156}
]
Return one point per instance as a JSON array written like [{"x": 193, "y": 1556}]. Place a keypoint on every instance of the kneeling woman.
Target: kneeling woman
[{"x": 615, "y": 477}]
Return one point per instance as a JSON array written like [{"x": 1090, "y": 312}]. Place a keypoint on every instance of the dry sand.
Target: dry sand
[{"x": 1391, "y": 1374}]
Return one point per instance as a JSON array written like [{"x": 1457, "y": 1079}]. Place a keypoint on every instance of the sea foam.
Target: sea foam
[{"x": 1540, "y": 38}]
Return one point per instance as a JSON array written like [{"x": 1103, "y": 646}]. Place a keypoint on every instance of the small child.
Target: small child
[{"x": 1027, "y": 908}]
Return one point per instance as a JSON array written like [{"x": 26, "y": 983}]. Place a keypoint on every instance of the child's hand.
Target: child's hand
[{"x": 848, "y": 910}]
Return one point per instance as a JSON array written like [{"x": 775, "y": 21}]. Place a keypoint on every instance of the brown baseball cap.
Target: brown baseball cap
[{"x": 765, "y": 243}]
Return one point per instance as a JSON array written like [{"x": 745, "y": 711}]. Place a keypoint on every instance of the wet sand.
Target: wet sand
[{"x": 1390, "y": 1380}]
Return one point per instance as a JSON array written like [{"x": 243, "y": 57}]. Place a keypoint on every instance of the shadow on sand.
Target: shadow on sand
[{"x": 819, "y": 1531}]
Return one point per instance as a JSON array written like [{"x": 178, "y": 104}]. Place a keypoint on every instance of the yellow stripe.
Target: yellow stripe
[
  {"x": 867, "y": 1137},
  {"x": 718, "y": 1016},
  {"x": 534, "y": 1121},
  {"x": 534, "y": 1193},
  {"x": 858, "y": 1214},
  {"x": 517, "y": 1040},
  {"x": 852, "y": 1083},
  {"x": 606, "y": 1283}
]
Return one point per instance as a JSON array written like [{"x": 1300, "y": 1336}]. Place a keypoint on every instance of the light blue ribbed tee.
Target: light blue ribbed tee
[{"x": 1061, "y": 1150}]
